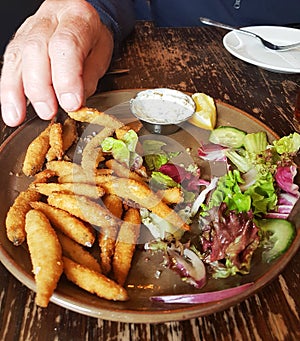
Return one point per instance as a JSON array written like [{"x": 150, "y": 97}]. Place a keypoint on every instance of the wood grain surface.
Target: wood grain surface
[{"x": 193, "y": 60}]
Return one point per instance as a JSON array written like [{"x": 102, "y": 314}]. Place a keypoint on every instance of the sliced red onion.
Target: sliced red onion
[
  {"x": 276, "y": 215},
  {"x": 250, "y": 178},
  {"x": 282, "y": 212},
  {"x": 212, "y": 152},
  {"x": 202, "y": 196},
  {"x": 287, "y": 199},
  {"x": 204, "y": 297},
  {"x": 285, "y": 208},
  {"x": 192, "y": 269}
]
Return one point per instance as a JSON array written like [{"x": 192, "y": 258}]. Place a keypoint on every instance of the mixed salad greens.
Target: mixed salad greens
[{"x": 231, "y": 216}]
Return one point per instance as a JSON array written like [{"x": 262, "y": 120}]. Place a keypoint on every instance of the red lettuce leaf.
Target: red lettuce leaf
[
  {"x": 179, "y": 174},
  {"x": 212, "y": 152},
  {"x": 285, "y": 179},
  {"x": 229, "y": 237}
]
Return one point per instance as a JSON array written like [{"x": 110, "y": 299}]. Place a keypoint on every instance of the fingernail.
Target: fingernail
[
  {"x": 43, "y": 110},
  {"x": 69, "y": 101},
  {"x": 10, "y": 114}
]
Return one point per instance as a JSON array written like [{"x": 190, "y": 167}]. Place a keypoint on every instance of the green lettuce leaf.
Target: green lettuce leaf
[
  {"x": 130, "y": 138},
  {"x": 153, "y": 146},
  {"x": 263, "y": 194},
  {"x": 158, "y": 226},
  {"x": 118, "y": 148},
  {"x": 155, "y": 161},
  {"x": 228, "y": 190},
  {"x": 155, "y": 156},
  {"x": 161, "y": 180},
  {"x": 122, "y": 150},
  {"x": 288, "y": 144},
  {"x": 260, "y": 197}
]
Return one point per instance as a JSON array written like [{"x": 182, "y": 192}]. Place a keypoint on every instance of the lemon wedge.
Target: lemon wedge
[{"x": 205, "y": 115}]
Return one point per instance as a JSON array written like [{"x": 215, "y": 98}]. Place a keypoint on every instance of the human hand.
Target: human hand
[{"x": 56, "y": 57}]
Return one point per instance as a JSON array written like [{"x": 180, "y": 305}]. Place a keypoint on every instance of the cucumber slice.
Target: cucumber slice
[
  {"x": 278, "y": 235},
  {"x": 227, "y": 136}
]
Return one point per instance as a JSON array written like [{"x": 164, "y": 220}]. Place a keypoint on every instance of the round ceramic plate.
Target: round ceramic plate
[
  {"x": 251, "y": 50},
  {"x": 143, "y": 281}
]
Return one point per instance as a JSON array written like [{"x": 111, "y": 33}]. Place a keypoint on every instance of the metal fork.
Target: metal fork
[{"x": 266, "y": 43}]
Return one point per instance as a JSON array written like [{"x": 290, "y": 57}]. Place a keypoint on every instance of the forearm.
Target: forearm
[{"x": 117, "y": 15}]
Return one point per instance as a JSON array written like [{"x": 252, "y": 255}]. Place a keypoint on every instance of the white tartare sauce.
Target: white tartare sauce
[{"x": 162, "y": 106}]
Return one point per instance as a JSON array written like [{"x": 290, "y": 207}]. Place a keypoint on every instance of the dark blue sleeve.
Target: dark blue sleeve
[
  {"x": 235, "y": 12},
  {"x": 117, "y": 15}
]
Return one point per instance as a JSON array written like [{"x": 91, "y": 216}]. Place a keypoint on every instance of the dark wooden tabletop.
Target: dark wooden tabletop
[{"x": 193, "y": 60}]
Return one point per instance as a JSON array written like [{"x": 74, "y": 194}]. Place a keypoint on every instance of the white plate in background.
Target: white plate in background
[{"x": 251, "y": 50}]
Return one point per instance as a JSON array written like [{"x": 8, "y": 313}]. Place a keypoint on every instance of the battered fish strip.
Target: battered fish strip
[
  {"x": 126, "y": 244},
  {"x": 45, "y": 253},
  {"x": 140, "y": 193},
  {"x": 70, "y": 134},
  {"x": 171, "y": 195},
  {"x": 101, "y": 179},
  {"x": 104, "y": 171},
  {"x": 44, "y": 176},
  {"x": 92, "y": 152},
  {"x": 75, "y": 178},
  {"x": 114, "y": 204},
  {"x": 56, "y": 143},
  {"x": 63, "y": 168},
  {"x": 67, "y": 171},
  {"x": 15, "y": 218},
  {"x": 83, "y": 178},
  {"x": 36, "y": 153},
  {"x": 71, "y": 226},
  {"x": 94, "y": 116},
  {"x": 77, "y": 253},
  {"x": 135, "y": 125},
  {"x": 91, "y": 191},
  {"x": 122, "y": 171},
  {"x": 85, "y": 209},
  {"x": 94, "y": 282},
  {"x": 107, "y": 241}
]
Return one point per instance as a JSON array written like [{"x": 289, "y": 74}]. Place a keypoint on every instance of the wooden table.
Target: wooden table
[{"x": 193, "y": 60}]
